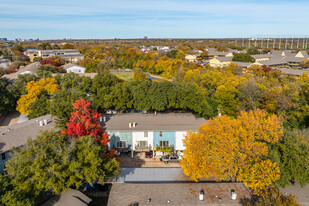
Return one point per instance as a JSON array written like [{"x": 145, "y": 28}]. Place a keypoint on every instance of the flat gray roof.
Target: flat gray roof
[
  {"x": 17, "y": 135},
  {"x": 176, "y": 194},
  {"x": 301, "y": 193},
  {"x": 151, "y": 175},
  {"x": 153, "y": 122}
]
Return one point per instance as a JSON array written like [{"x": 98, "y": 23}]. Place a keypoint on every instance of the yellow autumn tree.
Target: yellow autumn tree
[
  {"x": 234, "y": 149},
  {"x": 34, "y": 90}
]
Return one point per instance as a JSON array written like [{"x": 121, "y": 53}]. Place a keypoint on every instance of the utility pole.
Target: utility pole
[
  {"x": 262, "y": 43},
  {"x": 274, "y": 44},
  {"x": 249, "y": 44},
  {"x": 303, "y": 43},
  {"x": 279, "y": 43},
  {"x": 298, "y": 43},
  {"x": 242, "y": 45},
  {"x": 292, "y": 44},
  {"x": 306, "y": 43},
  {"x": 286, "y": 43},
  {"x": 255, "y": 43}
]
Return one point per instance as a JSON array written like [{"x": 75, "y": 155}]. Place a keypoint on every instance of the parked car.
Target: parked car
[
  {"x": 170, "y": 158},
  {"x": 148, "y": 155}
]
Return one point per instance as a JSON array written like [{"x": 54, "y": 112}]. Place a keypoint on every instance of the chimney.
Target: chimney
[
  {"x": 201, "y": 195},
  {"x": 233, "y": 194}
]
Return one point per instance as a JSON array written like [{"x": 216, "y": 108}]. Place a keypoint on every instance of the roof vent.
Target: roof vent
[
  {"x": 201, "y": 195},
  {"x": 2, "y": 134},
  {"x": 45, "y": 121},
  {"x": 9, "y": 129},
  {"x": 149, "y": 200},
  {"x": 134, "y": 124},
  {"x": 130, "y": 124},
  {"x": 41, "y": 123},
  {"x": 233, "y": 194}
]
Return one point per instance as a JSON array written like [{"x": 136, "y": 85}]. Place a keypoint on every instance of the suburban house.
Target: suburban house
[
  {"x": 280, "y": 58},
  {"x": 214, "y": 53},
  {"x": 29, "y": 69},
  {"x": 71, "y": 55},
  {"x": 73, "y": 68},
  {"x": 17, "y": 135},
  {"x": 220, "y": 61},
  {"x": 4, "y": 63},
  {"x": 148, "y": 132},
  {"x": 178, "y": 194},
  {"x": 190, "y": 58}
]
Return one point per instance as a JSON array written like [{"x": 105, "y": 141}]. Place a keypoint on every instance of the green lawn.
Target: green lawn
[{"x": 126, "y": 76}]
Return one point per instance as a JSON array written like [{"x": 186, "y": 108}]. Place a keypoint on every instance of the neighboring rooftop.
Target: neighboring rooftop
[
  {"x": 301, "y": 193},
  {"x": 17, "y": 135},
  {"x": 68, "y": 198},
  {"x": 153, "y": 122},
  {"x": 29, "y": 69},
  {"x": 177, "y": 194}
]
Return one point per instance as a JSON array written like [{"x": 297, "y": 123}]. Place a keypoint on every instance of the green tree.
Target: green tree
[
  {"x": 39, "y": 108},
  {"x": 292, "y": 156},
  {"x": 253, "y": 51},
  {"x": 7, "y": 100},
  {"x": 10, "y": 197},
  {"x": 54, "y": 162},
  {"x": 239, "y": 57},
  {"x": 61, "y": 104}
]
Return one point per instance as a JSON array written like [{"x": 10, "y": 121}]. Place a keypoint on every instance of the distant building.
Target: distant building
[
  {"x": 3, "y": 39},
  {"x": 73, "y": 68},
  {"x": 191, "y": 58},
  {"x": 4, "y": 63},
  {"x": 71, "y": 55}
]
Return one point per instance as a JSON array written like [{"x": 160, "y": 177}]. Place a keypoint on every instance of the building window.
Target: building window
[
  {"x": 143, "y": 143},
  {"x": 163, "y": 143},
  {"x": 160, "y": 134},
  {"x": 3, "y": 156},
  {"x": 121, "y": 144},
  {"x": 145, "y": 133}
]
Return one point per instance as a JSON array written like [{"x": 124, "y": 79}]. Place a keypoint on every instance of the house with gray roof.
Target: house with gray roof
[
  {"x": 146, "y": 132},
  {"x": 70, "y": 67},
  {"x": 29, "y": 69},
  {"x": 17, "y": 135},
  {"x": 129, "y": 194},
  {"x": 4, "y": 63}
]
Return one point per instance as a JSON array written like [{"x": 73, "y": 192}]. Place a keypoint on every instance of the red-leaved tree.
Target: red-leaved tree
[
  {"x": 84, "y": 121},
  {"x": 50, "y": 61}
]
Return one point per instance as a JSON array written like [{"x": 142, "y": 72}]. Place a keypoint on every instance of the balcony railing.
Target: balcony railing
[
  {"x": 142, "y": 148},
  {"x": 122, "y": 149}
]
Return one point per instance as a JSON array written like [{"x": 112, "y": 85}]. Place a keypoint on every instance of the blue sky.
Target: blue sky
[{"x": 54, "y": 19}]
